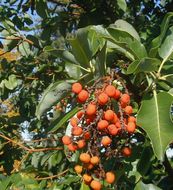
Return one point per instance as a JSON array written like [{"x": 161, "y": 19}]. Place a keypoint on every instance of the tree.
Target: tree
[{"x": 124, "y": 76}]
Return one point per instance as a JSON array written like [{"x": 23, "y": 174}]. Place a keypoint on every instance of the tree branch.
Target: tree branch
[{"x": 30, "y": 150}]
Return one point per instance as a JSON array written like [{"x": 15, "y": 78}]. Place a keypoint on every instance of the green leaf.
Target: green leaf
[
  {"x": 125, "y": 26},
  {"x": 41, "y": 8},
  {"x": 142, "y": 186},
  {"x": 101, "y": 62},
  {"x": 154, "y": 118},
  {"x": 145, "y": 161},
  {"x": 80, "y": 47},
  {"x": 11, "y": 83},
  {"x": 64, "y": 54},
  {"x": 144, "y": 65},
  {"x": 157, "y": 41},
  {"x": 73, "y": 70},
  {"x": 126, "y": 41},
  {"x": 122, "y": 4},
  {"x": 53, "y": 94},
  {"x": 84, "y": 187},
  {"x": 166, "y": 49},
  {"x": 63, "y": 120}
]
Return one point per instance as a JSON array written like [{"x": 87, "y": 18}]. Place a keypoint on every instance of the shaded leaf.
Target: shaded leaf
[
  {"x": 84, "y": 187},
  {"x": 144, "y": 65},
  {"x": 166, "y": 49},
  {"x": 125, "y": 26},
  {"x": 158, "y": 40},
  {"x": 142, "y": 186},
  {"x": 122, "y": 4},
  {"x": 63, "y": 120},
  {"x": 160, "y": 128},
  {"x": 54, "y": 93}
]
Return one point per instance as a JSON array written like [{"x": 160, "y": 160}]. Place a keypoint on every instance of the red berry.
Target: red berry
[{"x": 76, "y": 88}]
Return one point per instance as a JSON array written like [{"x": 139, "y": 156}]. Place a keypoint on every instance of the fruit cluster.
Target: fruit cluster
[{"x": 101, "y": 130}]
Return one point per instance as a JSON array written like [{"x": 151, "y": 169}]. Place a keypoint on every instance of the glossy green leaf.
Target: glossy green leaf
[
  {"x": 158, "y": 40},
  {"x": 41, "y": 8},
  {"x": 101, "y": 62},
  {"x": 154, "y": 118},
  {"x": 84, "y": 187},
  {"x": 125, "y": 26},
  {"x": 144, "y": 65},
  {"x": 122, "y": 4},
  {"x": 142, "y": 186},
  {"x": 73, "y": 70},
  {"x": 145, "y": 161},
  {"x": 62, "y": 121},
  {"x": 126, "y": 41},
  {"x": 80, "y": 47},
  {"x": 54, "y": 93},
  {"x": 166, "y": 48}
]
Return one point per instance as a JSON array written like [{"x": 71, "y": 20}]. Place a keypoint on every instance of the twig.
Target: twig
[
  {"x": 30, "y": 150},
  {"x": 53, "y": 176}
]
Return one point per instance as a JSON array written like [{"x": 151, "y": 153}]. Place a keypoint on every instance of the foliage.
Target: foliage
[{"x": 46, "y": 46}]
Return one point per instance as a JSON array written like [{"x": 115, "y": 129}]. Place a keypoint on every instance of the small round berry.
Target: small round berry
[
  {"x": 95, "y": 185},
  {"x": 110, "y": 177},
  {"x": 83, "y": 96},
  {"x": 95, "y": 160},
  {"x": 109, "y": 115},
  {"x": 128, "y": 110},
  {"x": 77, "y": 131},
  {"x": 91, "y": 109},
  {"x": 85, "y": 157},
  {"x": 106, "y": 141},
  {"x": 110, "y": 90},
  {"x": 127, "y": 151},
  {"x": 102, "y": 124},
  {"x": 76, "y": 88},
  {"x": 66, "y": 140},
  {"x": 78, "y": 169},
  {"x": 103, "y": 98}
]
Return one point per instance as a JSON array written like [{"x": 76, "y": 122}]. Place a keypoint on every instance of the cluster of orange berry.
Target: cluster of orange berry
[{"x": 98, "y": 129}]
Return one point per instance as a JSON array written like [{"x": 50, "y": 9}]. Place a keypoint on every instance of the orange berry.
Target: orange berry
[
  {"x": 80, "y": 114},
  {"x": 127, "y": 151},
  {"x": 131, "y": 119},
  {"x": 76, "y": 88},
  {"x": 110, "y": 90},
  {"x": 74, "y": 121},
  {"x": 102, "y": 124},
  {"x": 91, "y": 109},
  {"x": 123, "y": 104},
  {"x": 78, "y": 169},
  {"x": 88, "y": 166},
  {"x": 103, "y": 98},
  {"x": 109, "y": 115},
  {"x": 87, "y": 136},
  {"x": 83, "y": 96},
  {"x": 117, "y": 94},
  {"x": 131, "y": 126},
  {"x": 125, "y": 98},
  {"x": 106, "y": 141},
  {"x": 87, "y": 178},
  {"x": 81, "y": 143},
  {"x": 95, "y": 185},
  {"x": 128, "y": 110},
  {"x": 113, "y": 130},
  {"x": 85, "y": 157},
  {"x": 118, "y": 124},
  {"x": 95, "y": 160},
  {"x": 72, "y": 147},
  {"x": 66, "y": 140},
  {"x": 77, "y": 131},
  {"x": 110, "y": 177},
  {"x": 115, "y": 119}
]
